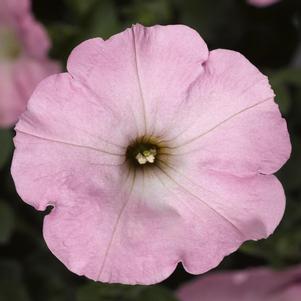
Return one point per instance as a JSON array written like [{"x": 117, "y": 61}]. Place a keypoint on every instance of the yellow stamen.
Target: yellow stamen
[{"x": 147, "y": 156}]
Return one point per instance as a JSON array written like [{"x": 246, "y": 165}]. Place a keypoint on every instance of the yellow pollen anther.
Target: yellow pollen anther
[{"x": 147, "y": 156}]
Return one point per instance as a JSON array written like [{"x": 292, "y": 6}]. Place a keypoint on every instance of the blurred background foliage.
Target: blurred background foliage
[{"x": 270, "y": 37}]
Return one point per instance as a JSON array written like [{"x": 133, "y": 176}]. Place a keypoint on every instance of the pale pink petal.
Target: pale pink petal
[
  {"x": 231, "y": 123},
  {"x": 11, "y": 10},
  {"x": 18, "y": 80},
  {"x": 59, "y": 159},
  {"x": 91, "y": 229},
  {"x": 262, "y": 3},
  {"x": 11, "y": 106},
  {"x": 61, "y": 103},
  {"x": 291, "y": 293},
  {"x": 121, "y": 229},
  {"x": 260, "y": 284},
  {"x": 115, "y": 244},
  {"x": 54, "y": 171},
  {"x": 225, "y": 211},
  {"x": 34, "y": 38},
  {"x": 228, "y": 85},
  {"x": 253, "y": 141},
  {"x": 31, "y": 63},
  {"x": 29, "y": 72},
  {"x": 142, "y": 69},
  {"x": 183, "y": 226}
]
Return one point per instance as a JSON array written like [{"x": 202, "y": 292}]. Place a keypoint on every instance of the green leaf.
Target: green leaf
[
  {"x": 208, "y": 18},
  {"x": 52, "y": 282},
  {"x": 149, "y": 13},
  {"x": 11, "y": 285},
  {"x": 118, "y": 292},
  {"x": 64, "y": 38},
  {"x": 157, "y": 293},
  {"x": 283, "y": 97},
  {"x": 7, "y": 222},
  {"x": 100, "y": 292},
  {"x": 290, "y": 174},
  {"x": 6, "y": 146},
  {"x": 281, "y": 81},
  {"x": 80, "y": 7},
  {"x": 103, "y": 21},
  {"x": 289, "y": 75},
  {"x": 10, "y": 269}
]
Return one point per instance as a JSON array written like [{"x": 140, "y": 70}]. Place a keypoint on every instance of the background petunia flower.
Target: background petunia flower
[
  {"x": 152, "y": 151},
  {"x": 262, "y": 3},
  {"x": 24, "y": 45},
  {"x": 260, "y": 284}
]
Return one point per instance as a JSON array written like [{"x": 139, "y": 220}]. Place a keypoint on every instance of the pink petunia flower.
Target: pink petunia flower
[
  {"x": 260, "y": 284},
  {"x": 23, "y": 58},
  {"x": 262, "y": 3},
  {"x": 152, "y": 151}
]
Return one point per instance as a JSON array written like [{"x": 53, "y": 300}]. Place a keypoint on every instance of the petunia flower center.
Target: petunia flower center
[
  {"x": 10, "y": 47},
  {"x": 146, "y": 151},
  {"x": 142, "y": 152}
]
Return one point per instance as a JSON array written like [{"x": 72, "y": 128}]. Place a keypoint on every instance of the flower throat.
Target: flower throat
[{"x": 142, "y": 152}]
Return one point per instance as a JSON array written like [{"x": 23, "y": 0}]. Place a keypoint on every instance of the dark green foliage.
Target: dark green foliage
[{"x": 116, "y": 292}]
